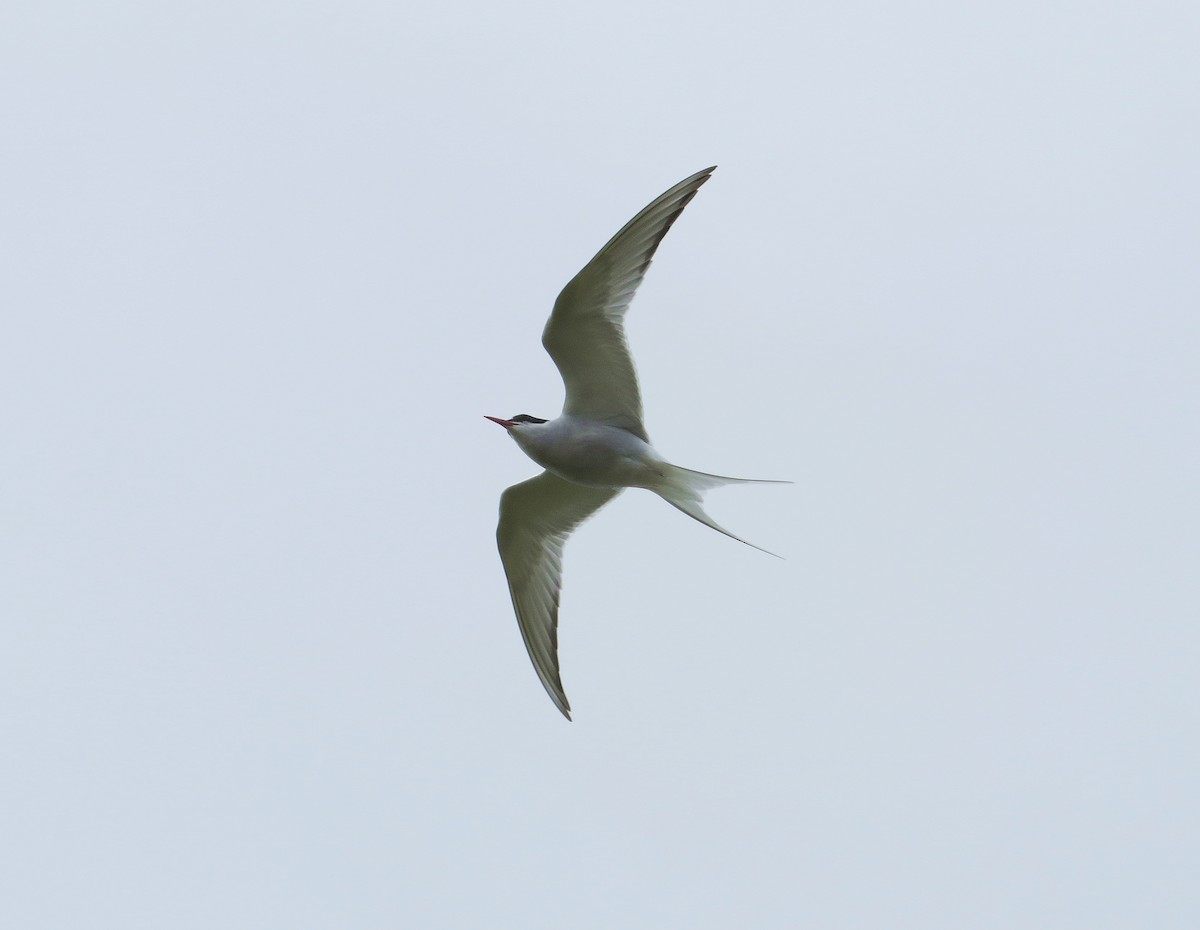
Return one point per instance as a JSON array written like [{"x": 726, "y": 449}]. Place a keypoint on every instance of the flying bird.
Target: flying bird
[{"x": 597, "y": 446}]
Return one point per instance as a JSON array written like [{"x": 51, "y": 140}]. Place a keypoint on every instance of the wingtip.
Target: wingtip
[
  {"x": 559, "y": 696},
  {"x": 698, "y": 179}
]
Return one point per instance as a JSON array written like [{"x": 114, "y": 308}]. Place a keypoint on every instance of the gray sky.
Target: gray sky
[{"x": 266, "y": 266}]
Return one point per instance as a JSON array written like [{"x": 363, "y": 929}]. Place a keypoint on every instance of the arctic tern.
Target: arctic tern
[{"x": 597, "y": 446}]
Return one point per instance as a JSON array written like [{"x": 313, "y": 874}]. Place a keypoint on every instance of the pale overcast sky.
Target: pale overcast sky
[{"x": 266, "y": 265}]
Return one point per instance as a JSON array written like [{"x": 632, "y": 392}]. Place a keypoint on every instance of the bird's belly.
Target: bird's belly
[{"x": 597, "y": 461}]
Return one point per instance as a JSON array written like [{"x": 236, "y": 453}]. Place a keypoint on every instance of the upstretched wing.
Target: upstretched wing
[
  {"x": 585, "y": 334},
  {"x": 536, "y": 517}
]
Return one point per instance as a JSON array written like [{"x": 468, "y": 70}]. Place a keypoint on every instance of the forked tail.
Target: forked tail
[{"x": 684, "y": 489}]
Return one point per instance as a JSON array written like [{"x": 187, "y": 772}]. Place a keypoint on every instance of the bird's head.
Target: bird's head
[{"x": 515, "y": 422}]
